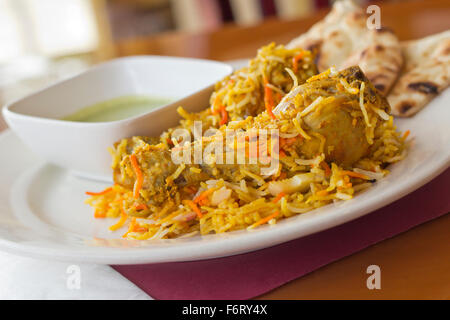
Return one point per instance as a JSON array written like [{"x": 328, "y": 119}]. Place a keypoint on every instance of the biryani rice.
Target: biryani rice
[{"x": 248, "y": 200}]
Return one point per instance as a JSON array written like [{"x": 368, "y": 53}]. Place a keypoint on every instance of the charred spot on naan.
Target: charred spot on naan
[
  {"x": 356, "y": 16},
  {"x": 405, "y": 106},
  {"x": 424, "y": 87}
]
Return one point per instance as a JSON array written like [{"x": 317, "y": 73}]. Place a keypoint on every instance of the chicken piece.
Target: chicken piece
[
  {"x": 345, "y": 143},
  {"x": 154, "y": 162},
  {"x": 337, "y": 124}
]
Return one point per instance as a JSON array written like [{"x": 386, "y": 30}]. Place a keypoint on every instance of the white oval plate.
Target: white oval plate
[{"x": 42, "y": 213}]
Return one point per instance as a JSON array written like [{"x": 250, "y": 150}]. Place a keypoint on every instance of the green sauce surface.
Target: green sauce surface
[{"x": 117, "y": 109}]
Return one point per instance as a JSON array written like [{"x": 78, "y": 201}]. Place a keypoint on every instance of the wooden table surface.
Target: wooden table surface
[
  {"x": 409, "y": 19},
  {"x": 415, "y": 264}
]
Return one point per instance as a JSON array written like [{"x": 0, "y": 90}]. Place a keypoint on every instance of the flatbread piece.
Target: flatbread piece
[
  {"x": 425, "y": 74},
  {"x": 342, "y": 39}
]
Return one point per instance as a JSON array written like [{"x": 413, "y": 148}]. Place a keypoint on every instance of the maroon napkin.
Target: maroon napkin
[{"x": 248, "y": 275}]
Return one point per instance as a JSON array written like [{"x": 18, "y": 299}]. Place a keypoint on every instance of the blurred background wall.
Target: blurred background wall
[{"x": 45, "y": 40}]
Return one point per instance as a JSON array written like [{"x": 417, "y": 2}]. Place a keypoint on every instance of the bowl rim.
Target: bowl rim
[{"x": 8, "y": 112}]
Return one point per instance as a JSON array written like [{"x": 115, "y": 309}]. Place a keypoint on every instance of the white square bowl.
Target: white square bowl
[{"x": 82, "y": 147}]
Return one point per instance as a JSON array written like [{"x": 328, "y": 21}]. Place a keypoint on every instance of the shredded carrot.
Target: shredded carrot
[
  {"x": 131, "y": 227},
  {"x": 264, "y": 220},
  {"x": 287, "y": 141},
  {"x": 279, "y": 96},
  {"x": 327, "y": 169},
  {"x": 203, "y": 195},
  {"x": 268, "y": 99},
  {"x": 221, "y": 109},
  {"x": 322, "y": 193},
  {"x": 295, "y": 61},
  {"x": 194, "y": 207},
  {"x": 99, "y": 193},
  {"x": 139, "y": 177},
  {"x": 279, "y": 196},
  {"x": 355, "y": 175},
  {"x": 224, "y": 115},
  {"x": 282, "y": 153},
  {"x": 137, "y": 228},
  {"x": 134, "y": 227},
  {"x": 99, "y": 214},
  {"x": 121, "y": 222},
  {"x": 406, "y": 134},
  {"x": 281, "y": 176},
  {"x": 141, "y": 206}
]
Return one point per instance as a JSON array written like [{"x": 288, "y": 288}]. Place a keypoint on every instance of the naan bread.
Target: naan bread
[
  {"x": 343, "y": 39},
  {"x": 425, "y": 74}
]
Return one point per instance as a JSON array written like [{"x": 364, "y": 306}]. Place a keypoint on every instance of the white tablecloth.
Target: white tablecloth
[{"x": 27, "y": 278}]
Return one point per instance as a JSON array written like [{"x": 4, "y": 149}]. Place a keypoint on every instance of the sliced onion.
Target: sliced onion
[
  {"x": 298, "y": 209},
  {"x": 288, "y": 135},
  {"x": 299, "y": 182},
  {"x": 220, "y": 196},
  {"x": 370, "y": 174},
  {"x": 185, "y": 217}
]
